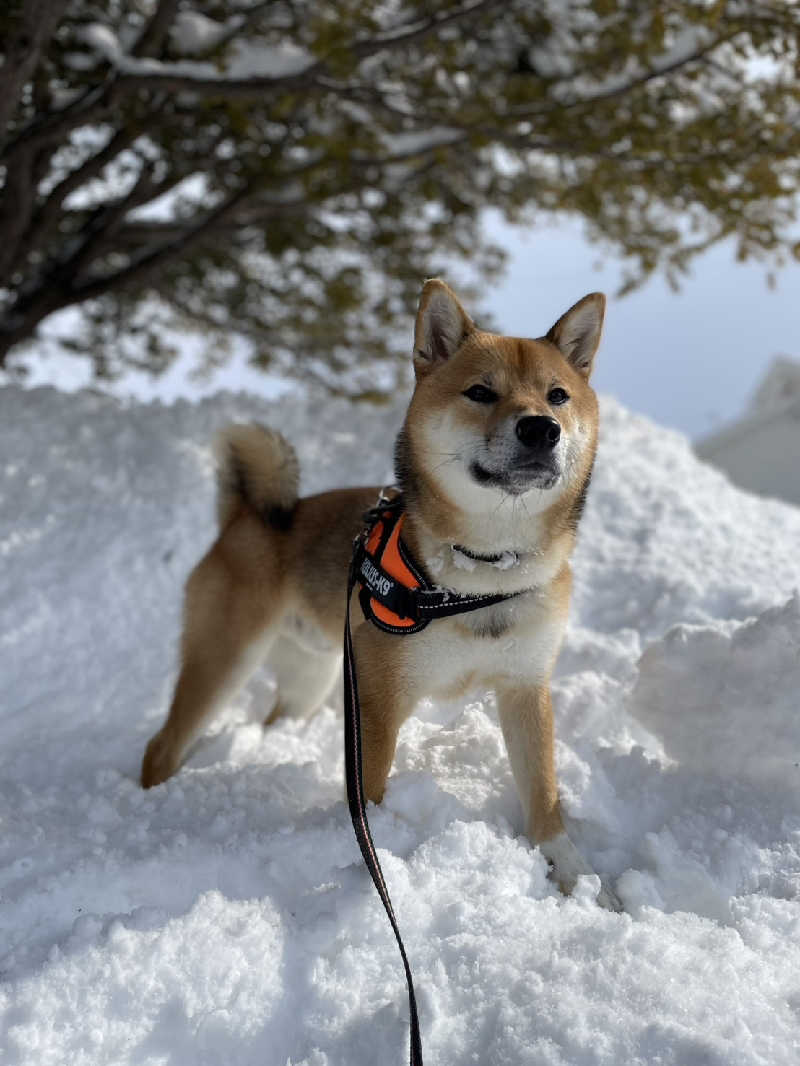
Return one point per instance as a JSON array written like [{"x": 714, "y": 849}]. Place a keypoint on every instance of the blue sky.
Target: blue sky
[{"x": 688, "y": 360}]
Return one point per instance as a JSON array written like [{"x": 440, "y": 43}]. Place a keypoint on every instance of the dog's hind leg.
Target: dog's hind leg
[
  {"x": 305, "y": 677},
  {"x": 231, "y": 619}
]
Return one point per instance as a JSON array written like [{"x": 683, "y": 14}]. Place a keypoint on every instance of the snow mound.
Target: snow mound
[
  {"x": 226, "y": 917},
  {"x": 725, "y": 698}
]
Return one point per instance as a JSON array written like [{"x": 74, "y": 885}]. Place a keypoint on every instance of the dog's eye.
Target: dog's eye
[
  {"x": 557, "y": 396},
  {"x": 480, "y": 394}
]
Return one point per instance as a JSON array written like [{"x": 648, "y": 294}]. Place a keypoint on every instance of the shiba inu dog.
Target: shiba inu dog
[{"x": 493, "y": 462}]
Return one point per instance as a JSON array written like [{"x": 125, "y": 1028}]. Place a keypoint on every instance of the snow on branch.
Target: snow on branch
[{"x": 257, "y": 60}]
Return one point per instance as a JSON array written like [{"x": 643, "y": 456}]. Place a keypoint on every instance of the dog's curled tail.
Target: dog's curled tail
[{"x": 258, "y": 466}]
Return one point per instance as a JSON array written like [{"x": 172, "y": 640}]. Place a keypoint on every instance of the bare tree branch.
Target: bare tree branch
[
  {"x": 406, "y": 33},
  {"x": 155, "y": 32},
  {"x": 32, "y": 23},
  {"x": 54, "y": 126},
  {"x": 47, "y": 217},
  {"x": 16, "y": 208}
]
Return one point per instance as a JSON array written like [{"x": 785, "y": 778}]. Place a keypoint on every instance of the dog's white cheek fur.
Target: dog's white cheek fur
[
  {"x": 574, "y": 444},
  {"x": 449, "y": 448}
]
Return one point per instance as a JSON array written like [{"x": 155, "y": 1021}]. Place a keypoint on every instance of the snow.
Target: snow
[
  {"x": 225, "y": 917},
  {"x": 706, "y": 674},
  {"x": 413, "y": 142},
  {"x": 193, "y": 32},
  {"x": 253, "y": 59}
]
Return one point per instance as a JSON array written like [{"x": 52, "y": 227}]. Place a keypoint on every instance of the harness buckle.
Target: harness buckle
[{"x": 382, "y": 504}]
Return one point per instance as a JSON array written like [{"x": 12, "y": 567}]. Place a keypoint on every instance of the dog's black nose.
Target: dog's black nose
[{"x": 538, "y": 431}]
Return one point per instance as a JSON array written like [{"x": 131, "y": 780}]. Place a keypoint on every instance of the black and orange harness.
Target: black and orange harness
[
  {"x": 394, "y": 593},
  {"x": 395, "y": 596}
]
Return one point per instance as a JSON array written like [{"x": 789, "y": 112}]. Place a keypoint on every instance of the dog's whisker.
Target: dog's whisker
[{"x": 444, "y": 462}]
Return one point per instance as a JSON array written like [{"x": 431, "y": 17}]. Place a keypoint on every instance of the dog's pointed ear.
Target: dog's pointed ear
[
  {"x": 442, "y": 324},
  {"x": 577, "y": 332}
]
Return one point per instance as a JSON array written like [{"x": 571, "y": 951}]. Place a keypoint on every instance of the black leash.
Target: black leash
[
  {"x": 358, "y": 812},
  {"x": 421, "y": 604}
]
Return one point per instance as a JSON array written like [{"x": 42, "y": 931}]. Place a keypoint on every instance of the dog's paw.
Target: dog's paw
[
  {"x": 159, "y": 761},
  {"x": 608, "y": 898},
  {"x": 568, "y": 865}
]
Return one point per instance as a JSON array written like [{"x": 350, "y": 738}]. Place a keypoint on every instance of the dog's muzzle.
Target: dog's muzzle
[{"x": 532, "y": 463}]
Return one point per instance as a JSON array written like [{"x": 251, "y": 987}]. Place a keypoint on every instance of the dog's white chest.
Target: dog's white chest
[{"x": 509, "y": 642}]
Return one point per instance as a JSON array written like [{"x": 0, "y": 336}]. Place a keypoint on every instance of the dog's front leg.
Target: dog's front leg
[
  {"x": 386, "y": 701},
  {"x": 526, "y": 717}
]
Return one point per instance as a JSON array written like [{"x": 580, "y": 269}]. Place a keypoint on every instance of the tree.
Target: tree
[{"x": 291, "y": 169}]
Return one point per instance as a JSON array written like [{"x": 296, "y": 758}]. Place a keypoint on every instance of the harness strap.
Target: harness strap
[{"x": 441, "y": 603}]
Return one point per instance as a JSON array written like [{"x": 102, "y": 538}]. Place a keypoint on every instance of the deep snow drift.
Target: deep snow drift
[{"x": 225, "y": 917}]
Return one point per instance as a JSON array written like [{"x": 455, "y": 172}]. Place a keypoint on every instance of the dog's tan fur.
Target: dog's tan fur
[{"x": 274, "y": 582}]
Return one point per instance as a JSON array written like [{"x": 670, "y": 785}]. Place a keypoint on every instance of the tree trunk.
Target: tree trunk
[{"x": 19, "y": 324}]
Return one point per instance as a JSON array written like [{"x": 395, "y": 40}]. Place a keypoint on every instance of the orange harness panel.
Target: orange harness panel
[{"x": 394, "y": 560}]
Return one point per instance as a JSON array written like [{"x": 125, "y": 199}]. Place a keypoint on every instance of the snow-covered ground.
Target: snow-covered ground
[{"x": 225, "y": 917}]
